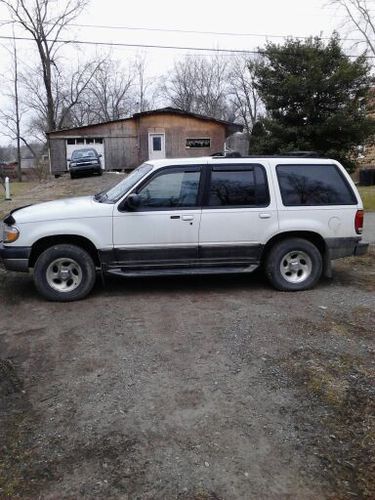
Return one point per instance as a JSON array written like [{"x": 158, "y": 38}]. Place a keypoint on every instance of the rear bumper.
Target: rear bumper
[
  {"x": 361, "y": 248},
  {"x": 15, "y": 258},
  {"x": 345, "y": 247}
]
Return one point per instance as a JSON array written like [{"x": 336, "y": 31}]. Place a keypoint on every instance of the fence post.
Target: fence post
[{"x": 7, "y": 189}]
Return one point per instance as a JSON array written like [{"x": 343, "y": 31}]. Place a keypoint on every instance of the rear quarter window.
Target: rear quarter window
[{"x": 314, "y": 185}]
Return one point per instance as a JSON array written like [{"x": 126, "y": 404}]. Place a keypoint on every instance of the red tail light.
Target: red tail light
[{"x": 358, "y": 221}]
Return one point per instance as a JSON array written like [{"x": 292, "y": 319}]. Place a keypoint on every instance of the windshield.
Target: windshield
[
  {"x": 84, "y": 153},
  {"x": 117, "y": 192}
]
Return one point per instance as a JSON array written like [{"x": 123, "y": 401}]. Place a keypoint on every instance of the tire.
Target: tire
[
  {"x": 64, "y": 273},
  {"x": 100, "y": 172},
  {"x": 72, "y": 176},
  {"x": 294, "y": 265}
]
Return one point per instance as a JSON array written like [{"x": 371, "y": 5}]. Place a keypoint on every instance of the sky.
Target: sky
[
  {"x": 262, "y": 17},
  {"x": 248, "y": 24}
]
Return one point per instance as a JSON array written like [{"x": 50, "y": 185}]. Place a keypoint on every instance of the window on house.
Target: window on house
[
  {"x": 80, "y": 141},
  {"x": 99, "y": 141},
  {"x": 198, "y": 143},
  {"x": 89, "y": 141},
  {"x": 71, "y": 141},
  {"x": 156, "y": 143}
]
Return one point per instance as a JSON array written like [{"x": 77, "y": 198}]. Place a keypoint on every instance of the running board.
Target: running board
[{"x": 132, "y": 273}]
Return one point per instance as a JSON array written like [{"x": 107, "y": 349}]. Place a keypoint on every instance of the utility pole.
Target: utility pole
[{"x": 16, "y": 99}]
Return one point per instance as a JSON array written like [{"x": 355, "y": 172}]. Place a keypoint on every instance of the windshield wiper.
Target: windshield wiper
[{"x": 100, "y": 197}]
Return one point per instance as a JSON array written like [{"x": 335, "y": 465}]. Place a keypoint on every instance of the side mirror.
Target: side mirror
[
  {"x": 100, "y": 156},
  {"x": 68, "y": 159},
  {"x": 133, "y": 201}
]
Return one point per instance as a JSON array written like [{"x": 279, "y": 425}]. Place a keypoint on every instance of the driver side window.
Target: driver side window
[{"x": 175, "y": 189}]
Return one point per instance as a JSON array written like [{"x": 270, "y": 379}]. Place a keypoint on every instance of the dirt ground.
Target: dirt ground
[{"x": 189, "y": 388}]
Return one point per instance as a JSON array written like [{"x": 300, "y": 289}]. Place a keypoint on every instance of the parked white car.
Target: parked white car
[{"x": 211, "y": 215}]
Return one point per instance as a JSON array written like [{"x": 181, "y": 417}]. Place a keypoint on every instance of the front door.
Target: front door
[
  {"x": 156, "y": 146},
  {"x": 163, "y": 231}
]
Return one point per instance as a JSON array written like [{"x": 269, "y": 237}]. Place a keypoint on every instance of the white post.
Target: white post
[{"x": 7, "y": 189}]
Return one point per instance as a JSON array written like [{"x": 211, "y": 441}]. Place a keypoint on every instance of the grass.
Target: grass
[
  {"x": 16, "y": 189},
  {"x": 368, "y": 197}
]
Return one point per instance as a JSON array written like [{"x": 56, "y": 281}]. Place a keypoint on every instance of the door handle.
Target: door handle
[
  {"x": 264, "y": 216},
  {"x": 175, "y": 216},
  {"x": 188, "y": 217}
]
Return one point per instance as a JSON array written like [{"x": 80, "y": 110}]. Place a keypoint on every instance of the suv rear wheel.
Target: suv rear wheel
[
  {"x": 294, "y": 264},
  {"x": 64, "y": 273}
]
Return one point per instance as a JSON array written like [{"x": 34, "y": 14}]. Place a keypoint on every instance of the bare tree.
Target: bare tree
[
  {"x": 244, "y": 95},
  {"x": 69, "y": 91},
  {"x": 45, "y": 20},
  {"x": 11, "y": 117},
  {"x": 110, "y": 93},
  {"x": 200, "y": 85},
  {"x": 359, "y": 16},
  {"x": 142, "y": 84}
]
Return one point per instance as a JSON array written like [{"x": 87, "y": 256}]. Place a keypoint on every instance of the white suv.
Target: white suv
[{"x": 193, "y": 216}]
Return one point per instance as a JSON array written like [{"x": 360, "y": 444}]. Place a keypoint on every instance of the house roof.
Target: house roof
[{"x": 231, "y": 126}]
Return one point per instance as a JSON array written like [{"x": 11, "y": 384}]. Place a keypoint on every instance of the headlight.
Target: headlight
[{"x": 10, "y": 234}]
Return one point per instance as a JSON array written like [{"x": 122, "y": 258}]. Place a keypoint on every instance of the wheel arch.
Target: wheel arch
[
  {"x": 43, "y": 243},
  {"x": 314, "y": 238}
]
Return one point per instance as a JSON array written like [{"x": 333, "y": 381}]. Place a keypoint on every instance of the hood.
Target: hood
[{"x": 69, "y": 208}]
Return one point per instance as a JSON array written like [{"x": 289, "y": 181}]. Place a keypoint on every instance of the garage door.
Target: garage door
[{"x": 83, "y": 143}]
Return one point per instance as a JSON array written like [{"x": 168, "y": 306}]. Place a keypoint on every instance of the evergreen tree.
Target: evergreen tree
[{"x": 315, "y": 98}]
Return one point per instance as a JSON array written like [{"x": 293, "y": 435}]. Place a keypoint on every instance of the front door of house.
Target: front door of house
[{"x": 156, "y": 146}]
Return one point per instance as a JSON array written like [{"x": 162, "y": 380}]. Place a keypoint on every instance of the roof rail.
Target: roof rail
[{"x": 291, "y": 154}]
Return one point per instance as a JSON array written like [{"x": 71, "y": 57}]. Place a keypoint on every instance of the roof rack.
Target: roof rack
[{"x": 291, "y": 154}]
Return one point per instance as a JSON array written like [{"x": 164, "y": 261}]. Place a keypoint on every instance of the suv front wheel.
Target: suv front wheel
[
  {"x": 64, "y": 273},
  {"x": 293, "y": 265}
]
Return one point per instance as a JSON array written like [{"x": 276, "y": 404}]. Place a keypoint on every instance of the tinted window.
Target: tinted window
[
  {"x": 238, "y": 187},
  {"x": 171, "y": 189},
  {"x": 314, "y": 185}
]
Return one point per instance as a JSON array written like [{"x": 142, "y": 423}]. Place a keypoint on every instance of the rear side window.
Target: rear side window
[
  {"x": 238, "y": 186},
  {"x": 314, "y": 185}
]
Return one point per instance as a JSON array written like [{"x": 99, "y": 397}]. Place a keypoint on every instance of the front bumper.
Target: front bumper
[
  {"x": 15, "y": 258},
  {"x": 88, "y": 167}
]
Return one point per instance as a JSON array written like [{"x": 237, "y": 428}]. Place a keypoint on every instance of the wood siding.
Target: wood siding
[
  {"x": 177, "y": 129},
  {"x": 57, "y": 150},
  {"x": 126, "y": 141}
]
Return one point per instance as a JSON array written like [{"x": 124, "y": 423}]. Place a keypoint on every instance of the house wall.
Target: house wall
[
  {"x": 177, "y": 129},
  {"x": 119, "y": 139},
  {"x": 126, "y": 142}
]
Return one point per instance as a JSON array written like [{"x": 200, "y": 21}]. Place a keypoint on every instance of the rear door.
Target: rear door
[{"x": 238, "y": 214}]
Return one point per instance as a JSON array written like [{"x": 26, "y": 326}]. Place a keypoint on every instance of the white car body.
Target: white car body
[{"x": 149, "y": 240}]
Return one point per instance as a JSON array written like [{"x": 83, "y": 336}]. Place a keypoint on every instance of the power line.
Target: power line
[
  {"x": 150, "y": 46},
  {"x": 193, "y": 32}
]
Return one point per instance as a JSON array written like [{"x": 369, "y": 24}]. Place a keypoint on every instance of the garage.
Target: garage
[
  {"x": 126, "y": 143},
  {"x": 77, "y": 143}
]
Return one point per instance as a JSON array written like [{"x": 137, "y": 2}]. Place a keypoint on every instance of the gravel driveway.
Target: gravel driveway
[{"x": 189, "y": 388}]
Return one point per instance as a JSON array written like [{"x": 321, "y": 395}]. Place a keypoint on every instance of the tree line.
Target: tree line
[{"x": 299, "y": 95}]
